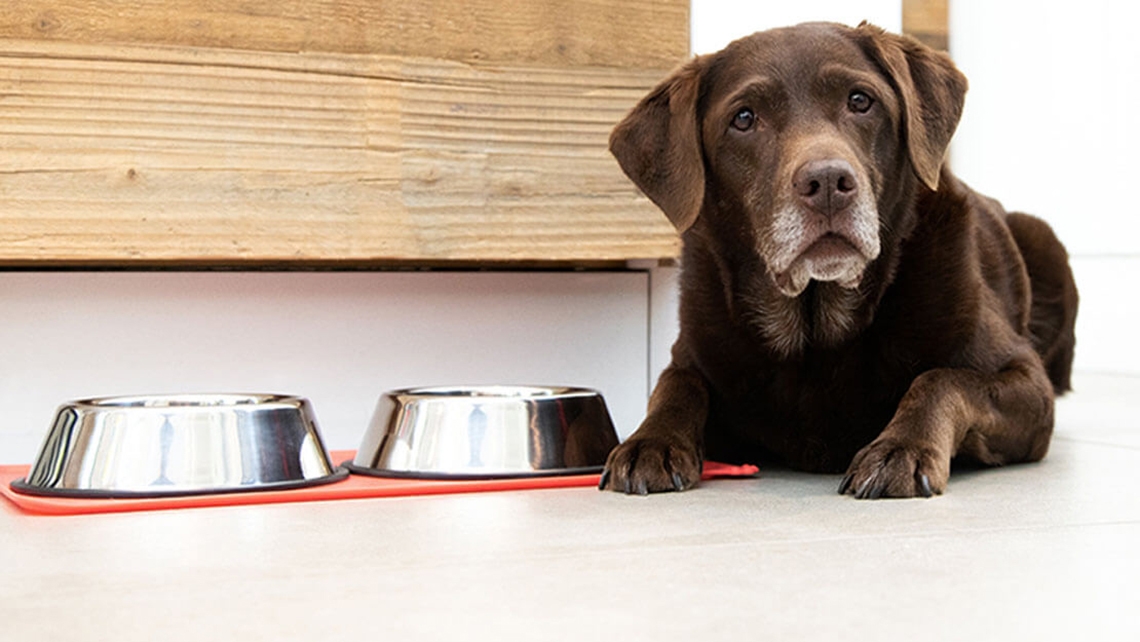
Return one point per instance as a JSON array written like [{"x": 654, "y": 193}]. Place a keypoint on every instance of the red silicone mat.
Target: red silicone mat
[{"x": 353, "y": 487}]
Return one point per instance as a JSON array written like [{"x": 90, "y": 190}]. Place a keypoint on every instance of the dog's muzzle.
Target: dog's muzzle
[{"x": 828, "y": 230}]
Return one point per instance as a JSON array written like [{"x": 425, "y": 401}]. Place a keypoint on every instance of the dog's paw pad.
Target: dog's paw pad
[
  {"x": 645, "y": 465},
  {"x": 890, "y": 468}
]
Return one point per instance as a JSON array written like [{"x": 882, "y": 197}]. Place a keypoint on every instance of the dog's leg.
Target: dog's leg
[
  {"x": 665, "y": 453},
  {"x": 996, "y": 419}
]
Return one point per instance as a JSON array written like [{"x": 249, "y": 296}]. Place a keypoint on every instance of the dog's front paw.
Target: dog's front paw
[
  {"x": 644, "y": 465},
  {"x": 889, "y": 467}
]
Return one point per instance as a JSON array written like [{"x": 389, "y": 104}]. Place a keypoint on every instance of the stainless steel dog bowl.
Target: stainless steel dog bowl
[
  {"x": 149, "y": 446},
  {"x": 486, "y": 432}
]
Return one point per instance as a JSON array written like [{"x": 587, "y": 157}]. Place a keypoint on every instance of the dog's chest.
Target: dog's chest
[{"x": 812, "y": 412}]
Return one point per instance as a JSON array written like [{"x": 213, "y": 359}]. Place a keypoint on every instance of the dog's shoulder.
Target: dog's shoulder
[
  {"x": 990, "y": 250},
  {"x": 960, "y": 274}
]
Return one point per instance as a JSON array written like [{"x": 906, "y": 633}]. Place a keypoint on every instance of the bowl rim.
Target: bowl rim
[
  {"x": 186, "y": 401},
  {"x": 494, "y": 392}
]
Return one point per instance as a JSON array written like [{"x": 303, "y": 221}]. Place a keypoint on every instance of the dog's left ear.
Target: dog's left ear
[
  {"x": 932, "y": 93},
  {"x": 658, "y": 146}
]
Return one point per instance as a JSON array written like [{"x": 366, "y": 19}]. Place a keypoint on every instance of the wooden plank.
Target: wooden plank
[
  {"x": 928, "y": 21},
  {"x": 633, "y": 33},
  {"x": 128, "y": 155}
]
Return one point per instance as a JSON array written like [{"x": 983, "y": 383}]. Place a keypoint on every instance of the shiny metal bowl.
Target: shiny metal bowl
[
  {"x": 481, "y": 432},
  {"x": 150, "y": 446}
]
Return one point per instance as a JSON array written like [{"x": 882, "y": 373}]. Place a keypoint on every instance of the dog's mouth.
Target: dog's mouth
[{"x": 831, "y": 257}]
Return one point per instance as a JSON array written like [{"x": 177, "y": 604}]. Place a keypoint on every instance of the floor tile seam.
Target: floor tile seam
[
  {"x": 705, "y": 547},
  {"x": 1095, "y": 442},
  {"x": 1116, "y": 375},
  {"x": 950, "y": 532}
]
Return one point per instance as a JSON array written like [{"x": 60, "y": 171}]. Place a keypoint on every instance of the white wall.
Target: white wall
[
  {"x": 340, "y": 339},
  {"x": 1049, "y": 128}
]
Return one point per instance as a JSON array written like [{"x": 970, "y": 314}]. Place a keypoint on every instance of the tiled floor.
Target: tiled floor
[{"x": 1039, "y": 552}]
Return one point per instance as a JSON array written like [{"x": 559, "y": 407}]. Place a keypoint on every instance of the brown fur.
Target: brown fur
[{"x": 932, "y": 325}]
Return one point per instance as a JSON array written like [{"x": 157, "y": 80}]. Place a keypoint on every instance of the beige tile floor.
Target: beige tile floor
[{"x": 1039, "y": 552}]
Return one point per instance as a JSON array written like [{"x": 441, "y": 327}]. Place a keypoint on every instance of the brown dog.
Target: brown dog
[{"x": 846, "y": 302}]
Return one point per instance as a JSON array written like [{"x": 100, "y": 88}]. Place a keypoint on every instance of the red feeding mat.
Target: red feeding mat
[{"x": 353, "y": 487}]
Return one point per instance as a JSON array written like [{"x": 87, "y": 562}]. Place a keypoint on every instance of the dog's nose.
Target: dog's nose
[{"x": 826, "y": 186}]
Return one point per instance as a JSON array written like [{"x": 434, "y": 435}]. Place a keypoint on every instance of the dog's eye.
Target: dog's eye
[
  {"x": 744, "y": 120},
  {"x": 859, "y": 102}
]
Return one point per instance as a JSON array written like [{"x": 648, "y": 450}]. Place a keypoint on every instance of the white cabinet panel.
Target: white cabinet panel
[{"x": 339, "y": 339}]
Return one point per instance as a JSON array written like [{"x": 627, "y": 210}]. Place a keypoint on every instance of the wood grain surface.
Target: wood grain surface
[
  {"x": 928, "y": 21},
  {"x": 141, "y": 137},
  {"x": 632, "y": 33}
]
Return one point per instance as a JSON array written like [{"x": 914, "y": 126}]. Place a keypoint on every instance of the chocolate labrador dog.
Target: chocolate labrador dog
[{"x": 847, "y": 304}]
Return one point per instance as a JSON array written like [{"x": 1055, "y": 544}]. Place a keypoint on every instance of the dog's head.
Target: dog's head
[{"x": 803, "y": 131}]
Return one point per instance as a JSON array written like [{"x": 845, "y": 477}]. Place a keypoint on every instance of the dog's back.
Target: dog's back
[{"x": 1053, "y": 315}]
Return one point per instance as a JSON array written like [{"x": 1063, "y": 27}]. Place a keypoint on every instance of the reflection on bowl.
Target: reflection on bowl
[
  {"x": 486, "y": 432},
  {"x": 150, "y": 446}
]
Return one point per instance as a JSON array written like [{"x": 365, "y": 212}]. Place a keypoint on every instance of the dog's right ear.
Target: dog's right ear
[
  {"x": 932, "y": 92},
  {"x": 658, "y": 146}
]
